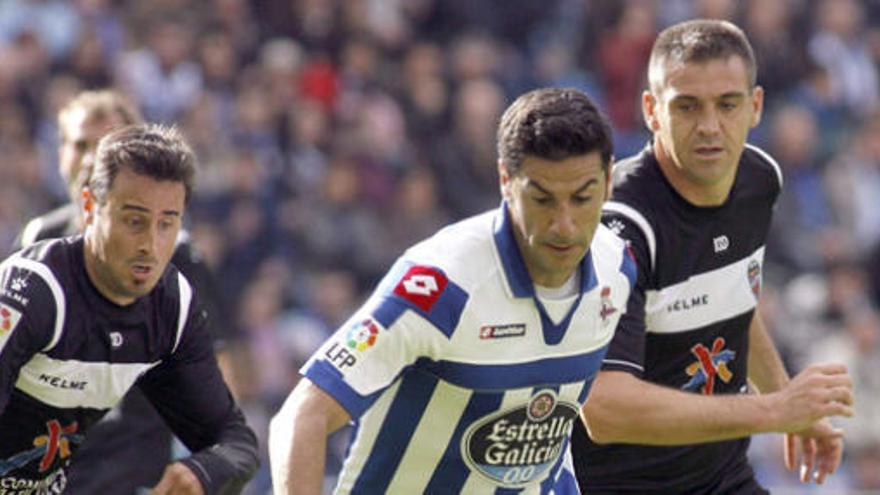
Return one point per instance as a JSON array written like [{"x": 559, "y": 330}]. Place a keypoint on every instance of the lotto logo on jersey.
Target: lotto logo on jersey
[
  {"x": 9, "y": 317},
  {"x": 362, "y": 335},
  {"x": 517, "y": 447},
  {"x": 421, "y": 286}
]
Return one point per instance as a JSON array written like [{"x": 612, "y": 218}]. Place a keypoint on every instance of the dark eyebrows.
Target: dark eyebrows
[
  {"x": 141, "y": 209},
  {"x": 535, "y": 185}
]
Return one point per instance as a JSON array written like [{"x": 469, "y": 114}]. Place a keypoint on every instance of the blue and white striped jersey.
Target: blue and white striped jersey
[{"x": 458, "y": 378}]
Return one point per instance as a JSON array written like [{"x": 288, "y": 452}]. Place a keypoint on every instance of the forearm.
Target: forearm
[
  {"x": 298, "y": 440},
  {"x": 228, "y": 464},
  {"x": 766, "y": 370},
  {"x": 623, "y": 409}
]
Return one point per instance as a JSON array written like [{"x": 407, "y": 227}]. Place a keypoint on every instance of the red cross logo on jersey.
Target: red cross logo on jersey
[
  {"x": 56, "y": 442},
  {"x": 422, "y": 286},
  {"x": 710, "y": 363}
]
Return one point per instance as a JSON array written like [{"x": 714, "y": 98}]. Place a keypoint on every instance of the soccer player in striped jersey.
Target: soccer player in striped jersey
[
  {"x": 465, "y": 371},
  {"x": 84, "y": 318},
  {"x": 670, "y": 411}
]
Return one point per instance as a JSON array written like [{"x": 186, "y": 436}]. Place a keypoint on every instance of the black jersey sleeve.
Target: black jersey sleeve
[
  {"x": 627, "y": 349},
  {"x": 188, "y": 390},
  {"x": 28, "y": 312}
]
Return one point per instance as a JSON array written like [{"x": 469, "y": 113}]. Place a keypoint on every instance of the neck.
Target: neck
[{"x": 697, "y": 194}]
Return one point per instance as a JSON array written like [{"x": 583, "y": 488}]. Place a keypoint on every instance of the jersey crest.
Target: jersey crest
[
  {"x": 422, "y": 286},
  {"x": 9, "y": 318}
]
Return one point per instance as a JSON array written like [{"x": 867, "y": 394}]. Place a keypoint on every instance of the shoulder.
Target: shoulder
[
  {"x": 174, "y": 297},
  {"x": 54, "y": 224},
  {"x": 612, "y": 253},
  {"x": 436, "y": 277},
  {"x": 634, "y": 172},
  {"x": 464, "y": 251},
  {"x": 32, "y": 285},
  {"x": 761, "y": 168}
]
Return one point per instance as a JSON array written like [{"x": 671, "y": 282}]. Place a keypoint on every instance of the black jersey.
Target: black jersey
[
  {"x": 134, "y": 435},
  {"x": 699, "y": 278},
  {"x": 68, "y": 355}
]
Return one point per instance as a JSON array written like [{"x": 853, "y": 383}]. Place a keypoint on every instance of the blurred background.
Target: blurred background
[{"x": 332, "y": 134}]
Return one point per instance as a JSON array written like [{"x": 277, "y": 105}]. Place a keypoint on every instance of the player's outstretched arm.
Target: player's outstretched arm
[
  {"x": 298, "y": 439},
  {"x": 624, "y": 409}
]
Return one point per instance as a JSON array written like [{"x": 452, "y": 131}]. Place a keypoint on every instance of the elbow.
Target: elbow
[
  {"x": 599, "y": 429},
  {"x": 604, "y": 422}
]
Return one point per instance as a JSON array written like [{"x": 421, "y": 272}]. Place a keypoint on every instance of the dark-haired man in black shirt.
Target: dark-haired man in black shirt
[
  {"x": 84, "y": 318},
  {"x": 133, "y": 433},
  {"x": 669, "y": 412}
]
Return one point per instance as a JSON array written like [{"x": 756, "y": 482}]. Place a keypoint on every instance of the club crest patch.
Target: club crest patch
[
  {"x": 754, "y": 274},
  {"x": 9, "y": 318}
]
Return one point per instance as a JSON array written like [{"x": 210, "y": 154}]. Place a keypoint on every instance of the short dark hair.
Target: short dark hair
[
  {"x": 700, "y": 40},
  {"x": 153, "y": 150},
  {"x": 553, "y": 124}
]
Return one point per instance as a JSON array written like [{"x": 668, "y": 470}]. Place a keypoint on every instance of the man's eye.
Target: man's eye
[
  {"x": 541, "y": 201},
  {"x": 582, "y": 199}
]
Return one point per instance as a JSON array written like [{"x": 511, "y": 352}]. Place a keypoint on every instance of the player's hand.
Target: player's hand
[
  {"x": 178, "y": 480},
  {"x": 820, "y": 391},
  {"x": 820, "y": 449}
]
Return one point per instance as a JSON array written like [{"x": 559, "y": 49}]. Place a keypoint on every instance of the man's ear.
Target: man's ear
[
  {"x": 757, "y": 105},
  {"x": 87, "y": 206},
  {"x": 649, "y": 111},
  {"x": 608, "y": 179},
  {"x": 504, "y": 179}
]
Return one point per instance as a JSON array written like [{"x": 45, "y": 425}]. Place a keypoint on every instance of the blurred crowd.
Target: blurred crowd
[{"x": 332, "y": 134}]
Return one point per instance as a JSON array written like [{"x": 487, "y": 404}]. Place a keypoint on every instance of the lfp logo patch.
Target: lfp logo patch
[
  {"x": 517, "y": 447},
  {"x": 362, "y": 335}
]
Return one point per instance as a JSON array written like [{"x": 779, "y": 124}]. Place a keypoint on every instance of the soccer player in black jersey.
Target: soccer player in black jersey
[
  {"x": 670, "y": 411},
  {"x": 133, "y": 433},
  {"x": 84, "y": 318}
]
